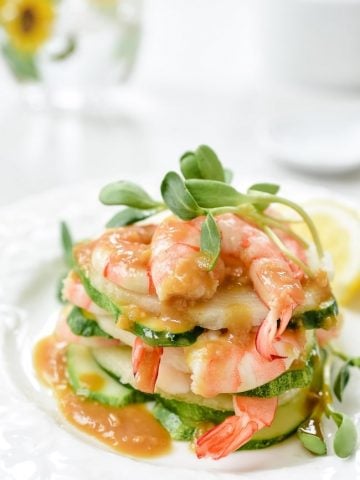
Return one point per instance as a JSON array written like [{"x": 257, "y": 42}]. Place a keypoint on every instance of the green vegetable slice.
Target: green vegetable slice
[
  {"x": 84, "y": 326},
  {"x": 91, "y": 381}
]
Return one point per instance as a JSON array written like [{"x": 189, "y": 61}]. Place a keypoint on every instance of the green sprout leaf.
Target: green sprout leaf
[
  {"x": 210, "y": 241},
  {"x": 341, "y": 381},
  {"x": 311, "y": 436},
  {"x": 177, "y": 197},
  {"x": 214, "y": 194},
  {"x": 209, "y": 164},
  {"x": 67, "y": 244},
  {"x": 128, "y": 216},
  {"x": 271, "y": 188},
  {"x": 128, "y": 194},
  {"x": 346, "y": 435},
  {"x": 189, "y": 166},
  {"x": 354, "y": 362}
]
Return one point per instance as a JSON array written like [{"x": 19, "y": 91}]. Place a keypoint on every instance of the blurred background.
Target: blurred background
[{"x": 96, "y": 90}]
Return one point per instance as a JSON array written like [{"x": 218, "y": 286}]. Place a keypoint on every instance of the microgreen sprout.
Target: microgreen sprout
[
  {"x": 310, "y": 433},
  {"x": 205, "y": 190}
]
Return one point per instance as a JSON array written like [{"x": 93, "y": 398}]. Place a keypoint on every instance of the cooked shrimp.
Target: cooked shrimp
[
  {"x": 273, "y": 278},
  {"x": 251, "y": 414},
  {"x": 122, "y": 256},
  {"x": 75, "y": 293},
  {"x": 215, "y": 353},
  {"x": 145, "y": 362},
  {"x": 176, "y": 268}
]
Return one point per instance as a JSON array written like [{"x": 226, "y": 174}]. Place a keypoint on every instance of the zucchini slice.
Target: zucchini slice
[
  {"x": 287, "y": 419},
  {"x": 116, "y": 361},
  {"x": 97, "y": 297},
  {"x": 165, "y": 338},
  {"x": 174, "y": 424},
  {"x": 91, "y": 381},
  {"x": 324, "y": 316}
]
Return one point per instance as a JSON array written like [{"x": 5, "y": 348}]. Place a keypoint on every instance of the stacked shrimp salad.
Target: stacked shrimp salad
[{"x": 222, "y": 341}]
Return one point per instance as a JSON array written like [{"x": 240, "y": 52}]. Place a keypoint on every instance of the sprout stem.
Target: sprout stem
[
  {"x": 272, "y": 235},
  {"x": 303, "y": 214}
]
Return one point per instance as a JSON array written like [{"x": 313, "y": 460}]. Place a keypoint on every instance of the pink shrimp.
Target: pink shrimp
[
  {"x": 273, "y": 278},
  {"x": 176, "y": 267},
  {"x": 75, "y": 293},
  {"x": 215, "y": 353},
  {"x": 121, "y": 255},
  {"x": 251, "y": 415},
  {"x": 145, "y": 362}
]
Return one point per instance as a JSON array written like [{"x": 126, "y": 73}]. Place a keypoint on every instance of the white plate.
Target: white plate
[{"x": 35, "y": 442}]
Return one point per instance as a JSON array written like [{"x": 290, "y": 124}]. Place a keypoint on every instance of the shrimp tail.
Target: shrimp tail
[
  {"x": 285, "y": 317},
  {"x": 265, "y": 336},
  {"x": 269, "y": 331},
  {"x": 145, "y": 362},
  {"x": 251, "y": 414},
  {"x": 225, "y": 438}
]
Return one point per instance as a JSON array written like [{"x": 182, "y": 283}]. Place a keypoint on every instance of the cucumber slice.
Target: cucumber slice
[
  {"x": 199, "y": 412},
  {"x": 165, "y": 338},
  {"x": 116, "y": 361},
  {"x": 322, "y": 317},
  {"x": 91, "y": 381},
  {"x": 81, "y": 325},
  {"x": 97, "y": 297},
  {"x": 177, "y": 428},
  {"x": 287, "y": 419}
]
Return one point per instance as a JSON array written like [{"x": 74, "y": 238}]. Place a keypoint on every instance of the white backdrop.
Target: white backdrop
[{"x": 198, "y": 80}]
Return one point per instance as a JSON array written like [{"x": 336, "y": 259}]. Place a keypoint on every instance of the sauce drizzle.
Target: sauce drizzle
[{"x": 131, "y": 430}]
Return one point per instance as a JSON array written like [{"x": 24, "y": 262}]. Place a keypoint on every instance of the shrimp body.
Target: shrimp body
[
  {"x": 122, "y": 256},
  {"x": 251, "y": 415},
  {"x": 176, "y": 267},
  {"x": 274, "y": 279},
  {"x": 215, "y": 353}
]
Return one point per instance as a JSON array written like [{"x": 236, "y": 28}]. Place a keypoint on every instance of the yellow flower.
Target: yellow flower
[{"x": 28, "y": 22}]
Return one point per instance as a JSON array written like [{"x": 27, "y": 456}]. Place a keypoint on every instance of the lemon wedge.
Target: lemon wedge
[{"x": 339, "y": 230}]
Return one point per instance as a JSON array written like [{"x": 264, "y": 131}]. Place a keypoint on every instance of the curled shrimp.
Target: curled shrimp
[
  {"x": 177, "y": 270},
  {"x": 251, "y": 415},
  {"x": 176, "y": 267},
  {"x": 122, "y": 256},
  {"x": 274, "y": 279},
  {"x": 215, "y": 353}
]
